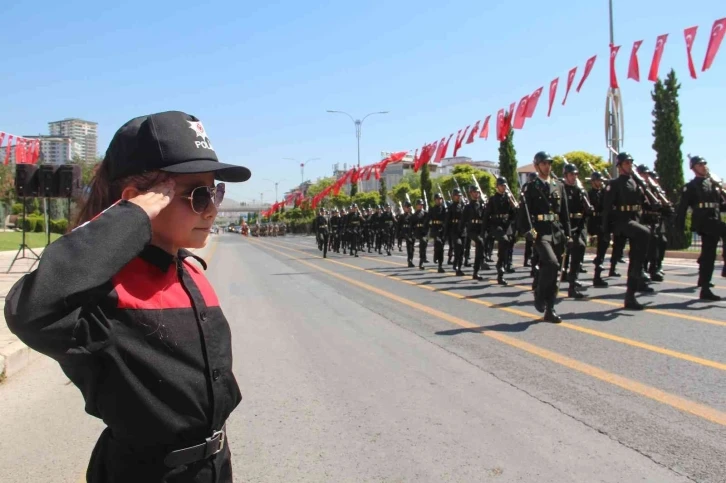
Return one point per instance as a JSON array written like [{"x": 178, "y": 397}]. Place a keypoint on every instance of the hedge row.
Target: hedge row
[{"x": 34, "y": 223}]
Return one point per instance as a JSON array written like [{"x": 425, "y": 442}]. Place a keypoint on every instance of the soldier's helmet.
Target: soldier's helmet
[
  {"x": 570, "y": 168},
  {"x": 694, "y": 160},
  {"x": 387, "y": 205},
  {"x": 501, "y": 181},
  {"x": 595, "y": 176},
  {"x": 354, "y": 205},
  {"x": 541, "y": 157},
  {"x": 623, "y": 156},
  {"x": 407, "y": 204},
  {"x": 473, "y": 188},
  {"x": 419, "y": 202},
  {"x": 531, "y": 176},
  {"x": 456, "y": 192},
  {"x": 654, "y": 175},
  {"x": 438, "y": 196},
  {"x": 643, "y": 169}
]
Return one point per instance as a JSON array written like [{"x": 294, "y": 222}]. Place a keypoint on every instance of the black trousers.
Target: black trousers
[
  {"x": 577, "y": 254},
  {"x": 438, "y": 248},
  {"x": 603, "y": 243},
  {"x": 467, "y": 248},
  {"x": 422, "y": 246},
  {"x": 639, "y": 237},
  {"x": 528, "y": 251},
  {"x": 410, "y": 242},
  {"x": 323, "y": 242},
  {"x": 504, "y": 244},
  {"x": 113, "y": 461},
  {"x": 458, "y": 243},
  {"x": 549, "y": 249},
  {"x": 478, "y": 252},
  {"x": 711, "y": 232},
  {"x": 618, "y": 249}
]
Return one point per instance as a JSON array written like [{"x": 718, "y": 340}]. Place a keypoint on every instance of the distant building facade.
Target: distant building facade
[{"x": 83, "y": 133}]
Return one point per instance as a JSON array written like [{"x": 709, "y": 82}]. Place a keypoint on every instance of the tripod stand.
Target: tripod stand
[{"x": 24, "y": 246}]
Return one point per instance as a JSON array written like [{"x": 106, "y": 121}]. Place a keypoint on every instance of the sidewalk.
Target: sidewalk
[{"x": 14, "y": 355}]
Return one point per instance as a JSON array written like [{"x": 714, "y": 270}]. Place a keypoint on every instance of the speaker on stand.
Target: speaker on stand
[{"x": 26, "y": 185}]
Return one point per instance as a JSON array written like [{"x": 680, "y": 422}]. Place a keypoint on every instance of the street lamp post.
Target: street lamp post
[
  {"x": 614, "y": 125},
  {"x": 302, "y": 168},
  {"x": 275, "y": 183}
]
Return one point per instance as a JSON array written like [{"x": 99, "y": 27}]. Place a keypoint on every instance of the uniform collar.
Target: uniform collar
[{"x": 163, "y": 260}]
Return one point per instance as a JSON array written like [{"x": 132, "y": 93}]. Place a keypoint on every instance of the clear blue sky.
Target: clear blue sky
[{"x": 260, "y": 75}]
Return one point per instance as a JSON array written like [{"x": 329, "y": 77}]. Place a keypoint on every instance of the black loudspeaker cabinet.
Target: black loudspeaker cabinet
[
  {"x": 69, "y": 181},
  {"x": 26, "y": 180},
  {"x": 48, "y": 180}
]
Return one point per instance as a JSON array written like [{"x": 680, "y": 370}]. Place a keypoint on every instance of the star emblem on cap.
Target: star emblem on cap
[{"x": 198, "y": 128}]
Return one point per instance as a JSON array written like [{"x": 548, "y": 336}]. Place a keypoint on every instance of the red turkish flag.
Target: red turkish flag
[
  {"x": 633, "y": 67},
  {"x": 417, "y": 160},
  {"x": 7, "y": 149},
  {"x": 377, "y": 172},
  {"x": 29, "y": 148},
  {"x": 521, "y": 110},
  {"x": 690, "y": 34},
  {"x": 613, "y": 77},
  {"x": 553, "y": 92},
  {"x": 431, "y": 150},
  {"x": 473, "y": 132},
  {"x": 36, "y": 151},
  {"x": 570, "y": 80},
  {"x": 460, "y": 140},
  {"x": 442, "y": 152},
  {"x": 2, "y": 137},
  {"x": 20, "y": 151},
  {"x": 714, "y": 42},
  {"x": 396, "y": 157},
  {"x": 588, "y": 68},
  {"x": 485, "y": 130},
  {"x": 500, "y": 124},
  {"x": 532, "y": 102},
  {"x": 659, "y": 46}
]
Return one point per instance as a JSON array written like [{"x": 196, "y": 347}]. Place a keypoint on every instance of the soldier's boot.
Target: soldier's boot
[
  {"x": 459, "y": 273},
  {"x": 613, "y": 272},
  {"x": 550, "y": 315},
  {"x": 501, "y": 280},
  {"x": 582, "y": 269},
  {"x": 477, "y": 277},
  {"x": 573, "y": 293},
  {"x": 706, "y": 294},
  {"x": 598, "y": 281},
  {"x": 655, "y": 276},
  {"x": 420, "y": 264},
  {"x": 642, "y": 286},
  {"x": 631, "y": 303},
  {"x": 441, "y": 269},
  {"x": 466, "y": 263},
  {"x": 449, "y": 262},
  {"x": 645, "y": 276}
]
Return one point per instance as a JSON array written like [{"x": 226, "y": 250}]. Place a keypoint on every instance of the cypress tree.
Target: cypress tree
[
  {"x": 426, "y": 182},
  {"x": 508, "y": 162},
  {"x": 382, "y": 189}
]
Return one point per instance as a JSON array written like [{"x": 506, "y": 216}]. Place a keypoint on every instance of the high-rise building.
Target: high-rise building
[{"x": 84, "y": 133}]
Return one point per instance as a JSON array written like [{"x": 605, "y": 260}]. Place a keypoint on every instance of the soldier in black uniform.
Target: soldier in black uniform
[
  {"x": 623, "y": 204},
  {"x": 706, "y": 199},
  {"x": 353, "y": 228},
  {"x": 374, "y": 225},
  {"x": 578, "y": 206},
  {"x": 545, "y": 218},
  {"x": 437, "y": 221},
  {"x": 595, "y": 227},
  {"x": 453, "y": 229},
  {"x": 387, "y": 222},
  {"x": 653, "y": 219},
  {"x": 405, "y": 231},
  {"x": 334, "y": 223},
  {"x": 420, "y": 225},
  {"x": 471, "y": 224},
  {"x": 320, "y": 225},
  {"x": 528, "y": 244},
  {"x": 662, "y": 239},
  {"x": 498, "y": 218}
]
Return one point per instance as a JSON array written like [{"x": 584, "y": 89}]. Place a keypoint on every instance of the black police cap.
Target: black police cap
[
  {"x": 623, "y": 156},
  {"x": 419, "y": 202},
  {"x": 473, "y": 188},
  {"x": 438, "y": 196},
  {"x": 570, "y": 169},
  {"x": 643, "y": 169},
  {"x": 542, "y": 156},
  {"x": 595, "y": 176},
  {"x": 501, "y": 180},
  {"x": 456, "y": 191},
  {"x": 171, "y": 141},
  {"x": 694, "y": 160}
]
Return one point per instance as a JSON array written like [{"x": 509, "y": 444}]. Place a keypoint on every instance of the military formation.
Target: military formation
[{"x": 556, "y": 217}]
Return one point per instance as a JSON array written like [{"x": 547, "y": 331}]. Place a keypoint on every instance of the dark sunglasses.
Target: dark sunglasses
[{"x": 201, "y": 196}]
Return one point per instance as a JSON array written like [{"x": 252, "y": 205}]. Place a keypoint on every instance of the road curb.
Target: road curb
[{"x": 15, "y": 357}]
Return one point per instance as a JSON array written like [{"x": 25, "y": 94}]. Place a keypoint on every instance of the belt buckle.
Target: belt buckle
[{"x": 214, "y": 444}]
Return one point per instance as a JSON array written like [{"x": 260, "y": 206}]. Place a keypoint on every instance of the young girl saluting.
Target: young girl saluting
[{"x": 131, "y": 321}]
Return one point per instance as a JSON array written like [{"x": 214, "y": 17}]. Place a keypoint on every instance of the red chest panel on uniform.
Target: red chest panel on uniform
[{"x": 142, "y": 286}]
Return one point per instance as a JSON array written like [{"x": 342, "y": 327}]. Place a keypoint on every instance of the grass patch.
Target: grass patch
[{"x": 10, "y": 240}]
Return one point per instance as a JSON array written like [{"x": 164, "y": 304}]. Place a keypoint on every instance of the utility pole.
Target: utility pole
[{"x": 614, "y": 126}]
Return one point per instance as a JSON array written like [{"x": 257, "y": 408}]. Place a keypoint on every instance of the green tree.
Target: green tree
[
  {"x": 583, "y": 160},
  {"x": 353, "y": 189},
  {"x": 413, "y": 179},
  {"x": 425, "y": 183},
  {"x": 7, "y": 184},
  {"x": 320, "y": 185},
  {"x": 508, "y": 162},
  {"x": 366, "y": 200},
  {"x": 382, "y": 189},
  {"x": 667, "y": 141},
  {"x": 462, "y": 174}
]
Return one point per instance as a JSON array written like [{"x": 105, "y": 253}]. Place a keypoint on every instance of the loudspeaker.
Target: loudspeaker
[
  {"x": 47, "y": 181},
  {"x": 26, "y": 180},
  {"x": 68, "y": 181}
]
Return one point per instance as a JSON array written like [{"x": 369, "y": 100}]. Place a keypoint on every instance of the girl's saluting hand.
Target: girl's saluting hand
[{"x": 156, "y": 198}]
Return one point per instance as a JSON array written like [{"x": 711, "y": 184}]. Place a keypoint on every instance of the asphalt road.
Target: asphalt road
[{"x": 360, "y": 369}]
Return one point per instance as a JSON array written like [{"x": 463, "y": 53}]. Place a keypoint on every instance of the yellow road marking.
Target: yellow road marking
[
  {"x": 596, "y": 333},
  {"x": 685, "y": 405}
]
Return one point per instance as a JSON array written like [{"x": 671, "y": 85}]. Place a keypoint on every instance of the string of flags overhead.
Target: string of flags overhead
[
  {"x": 27, "y": 151},
  {"x": 518, "y": 113}
]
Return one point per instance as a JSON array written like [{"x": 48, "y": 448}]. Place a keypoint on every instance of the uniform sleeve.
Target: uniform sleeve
[
  {"x": 607, "y": 206},
  {"x": 565, "y": 211},
  {"x": 485, "y": 216},
  {"x": 683, "y": 206},
  {"x": 523, "y": 224},
  {"x": 52, "y": 309}
]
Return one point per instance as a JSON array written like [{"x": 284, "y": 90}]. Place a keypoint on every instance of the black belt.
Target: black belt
[
  {"x": 419, "y": 225},
  {"x": 548, "y": 217},
  {"x": 211, "y": 446},
  {"x": 630, "y": 208},
  {"x": 475, "y": 222},
  {"x": 435, "y": 222},
  {"x": 708, "y": 205},
  {"x": 455, "y": 220},
  {"x": 575, "y": 215}
]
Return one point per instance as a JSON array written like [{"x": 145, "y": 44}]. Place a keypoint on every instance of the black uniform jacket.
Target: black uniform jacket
[
  {"x": 548, "y": 210},
  {"x": 704, "y": 198},
  {"x": 139, "y": 331}
]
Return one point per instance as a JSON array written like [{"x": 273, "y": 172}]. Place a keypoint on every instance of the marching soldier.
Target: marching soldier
[
  {"x": 405, "y": 231},
  {"x": 545, "y": 219},
  {"x": 471, "y": 224},
  {"x": 320, "y": 225},
  {"x": 623, "y": 204},
  {"x": 375, "y": 228},
  {"x": 529, "y": 253},
  {"x": 653, "y": 219},
  {"x": 353, "y": 227},
  {"x": 499, "y": 215},
  {"x": 578, "y": 206},
  {"x": 437, "y": 221},
  {"x": 706, "y": 198},
  {"x": 454, "y": 230},
  {"x": 420, "y": 224},
  {"x": 595, "y": 227},
  {"x": 388, "y": 221},
  {"x": 663, "y": 239}
]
